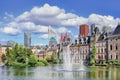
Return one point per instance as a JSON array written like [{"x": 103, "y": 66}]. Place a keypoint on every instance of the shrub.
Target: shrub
[
  {"x": 110, "y": 62},
  {"x": 32, "y": 61},
  {"x": 44, "y": 61},
  {"x": 92, "y": 61},
  {"x": 40, "y": 64},
  {"x": 48, "y": 59},
  {"x": 55, "y": 60},
  {"x": 17, "y": 64}
]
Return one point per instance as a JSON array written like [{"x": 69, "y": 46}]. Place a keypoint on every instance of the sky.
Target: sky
[{"x": 19, "y": 16}]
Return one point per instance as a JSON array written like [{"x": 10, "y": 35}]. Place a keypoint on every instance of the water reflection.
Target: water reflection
[{"x": 48, "y": 73}]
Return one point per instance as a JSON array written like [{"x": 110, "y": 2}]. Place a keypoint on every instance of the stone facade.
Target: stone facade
[{"x": 113, "y": 48}]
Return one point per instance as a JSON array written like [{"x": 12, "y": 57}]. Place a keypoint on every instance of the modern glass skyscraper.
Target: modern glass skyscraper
[{"x": 27, "y": 39}]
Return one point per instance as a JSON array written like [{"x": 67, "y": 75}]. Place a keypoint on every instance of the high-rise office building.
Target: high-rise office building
[{"x": 27, "y": 39}]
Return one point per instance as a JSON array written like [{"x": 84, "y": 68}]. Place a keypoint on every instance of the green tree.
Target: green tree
[
  {"x": 8, "y": 56},
  {"x": 4, "y": 58},
  {"x": 92, "y": 56},
  {"x": 21, "y": 56},
  {"x": 53, "y": 58},
  {"x": 32, "y": 60}
]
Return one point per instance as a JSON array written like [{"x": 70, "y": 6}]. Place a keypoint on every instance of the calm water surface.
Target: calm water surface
[{"x": 53, "y": 73}]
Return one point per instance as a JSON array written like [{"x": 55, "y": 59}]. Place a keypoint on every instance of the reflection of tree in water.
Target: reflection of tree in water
[
  {"x": 8, "y": 71},
  {"x": 22, "y": 72},
  {"x": 95, "y": 73},
  {"x": 101, "y": 73}
]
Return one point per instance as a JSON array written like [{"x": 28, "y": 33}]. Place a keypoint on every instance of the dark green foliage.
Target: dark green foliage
[
  {"x": 17, "y": 64},
  {"x": 52, "y": 57},
  {"x": 44, "y": 61},
  {"x": 54, "y": 60},
  {"x": 32, "y": 60},
  {"x": 92, "y": 55},
  {"x": 40, "y": 64},
  {"x": 4, "y": 58},
  {"x": 20, "y": 56},
  {"x": 114, "y": 62},
  {"x": 48, "y": 59},
  {"x": 92, "y": 61}
]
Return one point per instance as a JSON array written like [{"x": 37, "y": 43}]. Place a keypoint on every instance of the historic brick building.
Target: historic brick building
[
  {"x": 107, "y": 45},
  {"x": 113, "y": 45}
]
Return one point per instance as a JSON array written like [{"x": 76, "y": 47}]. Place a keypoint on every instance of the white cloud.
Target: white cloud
[
  {"x": 38, "y": 19},
  {"x": 103, "y": 20},
  {"x": 75, "y": 21},
  {"x": 44, "y": 36},
  {"x": 8, "y": 16},
  {"x": 10, "y": 30},
  {"x": 61, "y": 30},
  {"x": 14, "y": 28}
]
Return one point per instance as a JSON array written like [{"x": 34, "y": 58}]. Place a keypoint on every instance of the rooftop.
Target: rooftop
[
  {"x": 117, "y": 30},
  {"x": 52, "y": 39}
]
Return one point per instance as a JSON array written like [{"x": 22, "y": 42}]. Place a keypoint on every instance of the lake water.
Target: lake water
[{"x": 51, "y": 72}]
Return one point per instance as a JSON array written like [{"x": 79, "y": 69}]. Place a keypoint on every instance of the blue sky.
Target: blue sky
[{"x": 62, "y": 15}]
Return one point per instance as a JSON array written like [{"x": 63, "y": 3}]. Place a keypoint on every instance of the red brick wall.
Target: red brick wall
[{"x": 83, "y": 30}]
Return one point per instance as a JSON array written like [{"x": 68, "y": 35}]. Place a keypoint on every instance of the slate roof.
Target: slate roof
[{"x": 117, "y": 30}]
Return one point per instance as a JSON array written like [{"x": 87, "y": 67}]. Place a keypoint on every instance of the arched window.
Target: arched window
[
  {"x": 98, "y": 56},
  {"x": 116, "y": 56},
  {"x": 116, "y": 46},
  {"x": 111, "y": 47},
  {"x": 102, "y": 50},
  {"x": 98, "y": 50},
  {"x": 101, "y": 56},
  {"x": 110, "y": 56},
  {"x": 81, "y": 50}
]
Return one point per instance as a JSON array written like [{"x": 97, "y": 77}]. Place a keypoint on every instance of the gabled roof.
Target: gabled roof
[{"x": 117, "y": 30}]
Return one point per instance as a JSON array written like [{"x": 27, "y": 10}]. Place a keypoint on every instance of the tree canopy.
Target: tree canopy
[{"x": 20, "y": 56}]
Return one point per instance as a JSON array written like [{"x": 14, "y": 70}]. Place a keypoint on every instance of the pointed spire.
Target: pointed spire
[
  {"x": 66, "y": 36},
  {"x": 61, "y": 37}
]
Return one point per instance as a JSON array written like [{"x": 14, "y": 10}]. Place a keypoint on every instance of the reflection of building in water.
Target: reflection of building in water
[{"x": 106, "y": 73}]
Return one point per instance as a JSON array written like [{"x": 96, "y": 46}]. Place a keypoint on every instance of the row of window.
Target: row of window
[
  {"x": 101, "y": 50},
  {"x": 80, "y": 57},
  {"x": 111, "y": 56},
  {"x": 101, "y": 44},
  {"x": 116, "y": 47},
  {"x": 101, "y": 57},
  {"x": 84, "y": 50}
]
